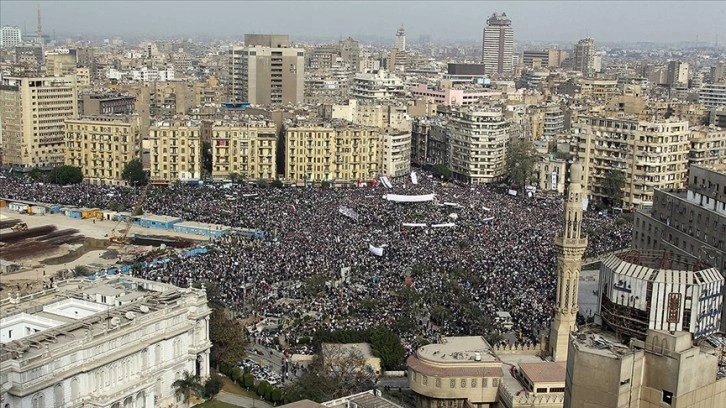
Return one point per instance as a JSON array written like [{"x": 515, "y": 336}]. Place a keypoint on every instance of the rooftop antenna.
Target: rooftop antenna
[{"x": 40, "y": 26}]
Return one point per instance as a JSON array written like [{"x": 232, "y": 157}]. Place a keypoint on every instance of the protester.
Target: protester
[{"x": 499, "y": 254}]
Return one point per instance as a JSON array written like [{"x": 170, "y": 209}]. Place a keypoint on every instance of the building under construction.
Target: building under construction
[{"x": 641, "y": 290}]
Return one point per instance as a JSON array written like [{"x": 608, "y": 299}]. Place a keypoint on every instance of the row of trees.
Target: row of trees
[
  {"x": 133, "y": 173},
  {"x": 189, "y": 385}
]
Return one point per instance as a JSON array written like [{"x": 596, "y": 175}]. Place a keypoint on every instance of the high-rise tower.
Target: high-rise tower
[
  {"x": 585, "y": 56},
  {"x": 571, "y": 244},
  {"x": 401, "y": 39},
  {"x": 497, "y": 45}
]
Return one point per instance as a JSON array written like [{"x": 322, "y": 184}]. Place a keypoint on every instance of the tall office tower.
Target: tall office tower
[
  {"x": 497, "y": 45},
  {"x": 585, "y": 56},
  {"x": 718, "y": 72},
  {"x": 32, "y": 115},
  {"x": 401, "y": 39},
  {"x": 677, "y": 75},
  {"x": 10, "y": 36},
  {"x": 267, "y": 70},
  {"x": 571, "y": 246}
]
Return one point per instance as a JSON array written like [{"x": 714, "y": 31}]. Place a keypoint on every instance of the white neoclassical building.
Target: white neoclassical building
[{"x": 115, "y": 342}]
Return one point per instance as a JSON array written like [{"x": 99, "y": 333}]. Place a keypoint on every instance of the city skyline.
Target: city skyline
[{"x": 542, "y": 21}]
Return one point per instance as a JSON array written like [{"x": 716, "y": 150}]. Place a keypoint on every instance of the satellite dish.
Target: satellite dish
[
  {"x": 144, "y": 309},
  {"x": 130, "y": 315}
]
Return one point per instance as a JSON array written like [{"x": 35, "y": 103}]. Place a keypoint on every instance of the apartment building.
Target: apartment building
[
  {"x": 497, "y": 45},
  {"x": 60, "y": 63},
  {"x": 106, "y": 104},
  {"x": 428, "y": 141},
  {"x": 175, "y": 150},
  {"x": 651, "y": 154},
  {"x": 32, "y": 115},
  {"x": 102, "y": 145},
  {"x": 713, "y": 95},
  {"x": 584, "y": 56},
  {"x": 266, "y": 71},
  {"x": 394, "y": 156},
  {"x": 246, "y": 147},
  {"x": 335, "y": 151},
  {"x": 116, "y": 341},
  {"x": 10, "y": 36},
  {"x": 379, "y": 115},
  {"x": 377, "y": 86},
  {"x": 478, "y": 139},
  {"x": 708, "y": 146},
  {"x": 677, "y": 74}
]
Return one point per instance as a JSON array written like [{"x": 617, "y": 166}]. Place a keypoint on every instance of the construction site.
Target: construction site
[{"x": 36, "y": 247}]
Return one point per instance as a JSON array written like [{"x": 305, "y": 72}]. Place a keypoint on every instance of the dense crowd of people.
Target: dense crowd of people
[{"x": 498, "y": 256}]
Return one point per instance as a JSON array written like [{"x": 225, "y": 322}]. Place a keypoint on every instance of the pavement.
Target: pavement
[{"x": 241, "y": 400}]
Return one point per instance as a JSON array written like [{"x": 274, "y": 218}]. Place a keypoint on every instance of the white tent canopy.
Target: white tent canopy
[
  {"x": 414, "y": 177},
  {"x": 446, "y": 225},
  {"x": 409, "y": 198}
]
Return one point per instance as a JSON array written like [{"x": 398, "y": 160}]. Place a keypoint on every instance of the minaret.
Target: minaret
[{"x": 571, "y": 246}]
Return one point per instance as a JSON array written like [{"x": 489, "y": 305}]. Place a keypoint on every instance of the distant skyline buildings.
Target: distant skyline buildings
[{"x": 543, "y": 21}]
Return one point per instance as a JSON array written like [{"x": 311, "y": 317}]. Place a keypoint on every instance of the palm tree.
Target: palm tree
[{"x": 187, "y": 386}]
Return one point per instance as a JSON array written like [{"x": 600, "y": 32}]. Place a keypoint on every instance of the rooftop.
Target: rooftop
[
  {"x": 457, "y": 349},
  {"x": 545, "y": 371}
]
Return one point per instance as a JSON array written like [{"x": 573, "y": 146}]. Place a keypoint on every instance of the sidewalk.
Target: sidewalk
[{"x": 241, "y": 400}]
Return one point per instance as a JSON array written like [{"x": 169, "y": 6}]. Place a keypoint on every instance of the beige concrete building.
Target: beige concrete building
[
  {"x": 246, "y": 147},
  {"x": 584, "y": 56},
  {"x": 102, "y": 145},
  {"x": 380, "y": 85},
  {"x": 334, "y": 151},
  {"x": 571, "y": 244},
  {"x": 394, "y": 155},
  {"x": 32, "y": 112},
  {"x": 708, "y": 146},
  {"x": 551, "y": 174},
  {"x": 266, "y": 71},
  {"x": 382, "y": 116},
  {"x": 478, "y": 139},
  {"x": 598, "y": 89},
  {"x": 457, "y": 372},
  {"x": 665, "y": 370},
  {"x": 60, "y": 63},
  {"x": 651, "y": 154},
  {"x": 175, "y": 151}
]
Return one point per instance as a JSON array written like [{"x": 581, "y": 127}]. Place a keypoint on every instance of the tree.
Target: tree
[
  {"x": 227, "y": 337},
  {"x": 235, "y": 374},
  {"x": 248, "y": 380},
  {"x": 212, "y": 386},
  {"x": 187, "y": 386},
  {"x": 442, "y": 171},
  {"x": 277, "y": 183},
  {"x": 134, "y": 174},
  {"x": 613, "y": 187},
  {"x": 35, "y": 174},
  {"x": 521, "y": 159},
  {"x": 207, "y": 157},
  {"x": 336, "y": 373},
  {"x": 276, "y": 395},
  {"x": 235, "y": 178},
  {"x": 386, "y": 345},
  {"x": 65, "y": 175}
]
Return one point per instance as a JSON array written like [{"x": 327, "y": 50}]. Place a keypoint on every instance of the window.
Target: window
[
  {"x": 452, "y": 383},
  {"x": 484, "y": 382},
  {"x": 495, "y": 382},
  {"x": 667, "y": 397},
  {"x": 438, "y": 383},
  {"x": 463, "y": 383},
  {"x": 542, "y": 390},
  {"x": 557, "y": 389}
]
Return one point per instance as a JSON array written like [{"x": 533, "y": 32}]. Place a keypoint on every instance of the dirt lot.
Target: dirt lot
[{"x": 41, "y": 266}]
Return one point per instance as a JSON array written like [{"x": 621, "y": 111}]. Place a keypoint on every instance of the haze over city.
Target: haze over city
[
  {"x": 618, "y": 21},
  {"x": 220, "y": 204}
]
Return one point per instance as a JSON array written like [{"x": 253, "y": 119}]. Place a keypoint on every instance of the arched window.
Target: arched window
[
  {"x": 38, "y": 401},
  {"x": 157, "y": 354},
  {"x": 58, "y": 399},
  {"x": 75, "y": 389}
]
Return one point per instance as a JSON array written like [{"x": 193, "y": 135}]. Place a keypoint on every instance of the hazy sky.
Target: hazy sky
[{"x": 657, "y": 21}]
